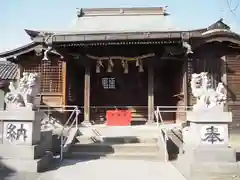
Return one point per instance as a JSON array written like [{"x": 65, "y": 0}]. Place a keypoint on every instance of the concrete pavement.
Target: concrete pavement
[{"x": 109, "y": 169}]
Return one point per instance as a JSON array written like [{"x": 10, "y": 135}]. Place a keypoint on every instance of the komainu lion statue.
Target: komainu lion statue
[
  {"x": 206, "y": 96},
  {"x": 24, "y": 95}
]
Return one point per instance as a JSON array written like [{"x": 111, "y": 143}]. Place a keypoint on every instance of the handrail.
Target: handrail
[
  {"x": 76, "y": 111},
  {"x": 53, "y": 108},
  {"x": 164, "y": 136},
  {"x": 158, "y": 116},
  {"x": 70, "y": 117},
  {"x": 127, "y": 106}
]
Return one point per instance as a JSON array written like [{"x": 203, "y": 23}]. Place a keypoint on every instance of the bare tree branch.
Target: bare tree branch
[{"x": 232, "y": 9}]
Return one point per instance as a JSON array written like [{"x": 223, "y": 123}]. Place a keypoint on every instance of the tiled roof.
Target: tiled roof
[
  {"x": 23, "y": 50},
  {"x": 18, "y": 51},
  {"x": 8, "y": 71},
  {"x": 112, "y": 20}
]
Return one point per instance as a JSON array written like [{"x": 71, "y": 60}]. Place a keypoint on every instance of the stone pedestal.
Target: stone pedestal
[
  {"x": 206, "y": 143},
  {"x": 208, "y": 128},
  {"x": 23, "y": 147}
]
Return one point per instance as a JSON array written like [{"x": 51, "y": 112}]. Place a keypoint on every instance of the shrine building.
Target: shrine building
[{"x": 130, "y": 59}]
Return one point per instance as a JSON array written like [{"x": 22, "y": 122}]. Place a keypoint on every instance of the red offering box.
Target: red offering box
[{"x": 118, "y": 117}]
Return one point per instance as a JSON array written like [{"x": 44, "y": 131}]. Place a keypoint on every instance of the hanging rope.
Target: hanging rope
[{"x": 121, "y": 57}]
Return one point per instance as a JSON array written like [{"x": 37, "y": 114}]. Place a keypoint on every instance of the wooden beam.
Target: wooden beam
[
  {"x": 150, "y": 92},
  {"x": 87, "y": 95}
]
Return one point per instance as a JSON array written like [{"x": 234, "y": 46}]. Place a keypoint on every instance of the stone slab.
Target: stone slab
[
  {"x": 8, "y": 175},
  {"x": 23, "y": 151},
  {"x": 120, "y": 131},
  {"x": 21, "y": 133},
  {"x": 117, "y": 148},
  {"x": 21, "y": 126},
  {"x": 159, "y": 157},
  {"x": 115, "y": 169},
  {"x": 190, "y": 169},
  {"x": 209, "y": 116},
  {"x": 217, "y": 155},
  {"x": 216, "y": 167},
  {"x": 115, "y": 140},
  {"x": 207, "y": 135},
  {"x": 35, "y": 165},
  {"x": 21, "y": 114},
  {"x": 27, "y": 151},
  {"x": 206, "y": 171}
]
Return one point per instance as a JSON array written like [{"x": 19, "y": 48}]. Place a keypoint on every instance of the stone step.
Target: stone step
[
  {"x": 100, "y": 155},
  {"x": 137, "y": 131},
  {"x": 117, "y": 148},
  {"x": 116, "y": 140}
]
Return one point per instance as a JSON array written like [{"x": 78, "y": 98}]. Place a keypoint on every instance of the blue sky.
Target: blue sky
[{"x": 17, "y": 15}]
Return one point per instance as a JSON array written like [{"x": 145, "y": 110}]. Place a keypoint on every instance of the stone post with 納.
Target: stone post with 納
[
  {"x": 206, "y": 139},
  {"x": 23, "y": 147}
]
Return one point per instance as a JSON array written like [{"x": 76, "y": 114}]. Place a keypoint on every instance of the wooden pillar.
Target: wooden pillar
[
  {"x": 185, "y": 88},
  {"x": 224, "y": 75},
  {"x": 185, "y": 81},
  {"x": 64, "y": 83},
  {"x": 87, "y": 95},
  {"x": 64, "y": 88},
  {"x": 224, "y": 70},
  {"x": 150, "y": 92}
]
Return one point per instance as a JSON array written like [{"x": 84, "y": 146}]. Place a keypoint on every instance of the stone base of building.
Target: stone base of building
[
  {"x": 27, "y": 158},
  {"x": 207, "y": 160},
  {"x": 206, "y": 154},
  {"x": 207, "y": 170},
  {"x": 206, "y": 145},
  {"x": 27, "y": 165}
]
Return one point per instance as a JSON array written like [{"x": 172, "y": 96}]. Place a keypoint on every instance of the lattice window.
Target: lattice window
[
  {"x": 210, "y": 65},
  {"x": 109, "y": 83},
  {"x": 51, "y": 75}
]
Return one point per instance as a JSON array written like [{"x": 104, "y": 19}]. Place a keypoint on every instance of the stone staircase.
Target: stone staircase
[{"x": 142, "y": 143}]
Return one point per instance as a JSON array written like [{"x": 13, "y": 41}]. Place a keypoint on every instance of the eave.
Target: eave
[
  {"x": 13, "y": 54},
  {"x": 116, "y": 43},
  {"x": 18, "y": 51},
  {"x": 117, "y": 36},
  {"x": 221, "y": 35},
  {"x": 102, "y": 37}
]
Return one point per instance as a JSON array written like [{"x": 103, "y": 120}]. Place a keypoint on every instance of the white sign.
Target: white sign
[
  {"x": 109, "y": 83},
  {"x": 15, "y": 132},
  {"x": 212, "y": 134}
]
